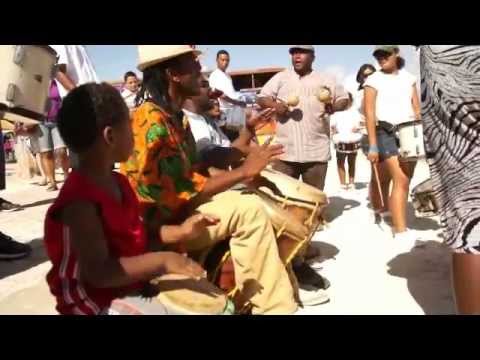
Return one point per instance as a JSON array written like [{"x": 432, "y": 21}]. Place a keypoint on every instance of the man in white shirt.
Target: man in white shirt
[
  {"x": 213, "y": 146},
  {"x": 233, "y": 108},
  {"x": 130, "y": 89},
  {"x": 74, "y": 69}
]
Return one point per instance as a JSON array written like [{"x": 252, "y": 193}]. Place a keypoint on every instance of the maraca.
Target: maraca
[
  {"x": 293, "y": 100},
  {"x": 324, "y": 95}
]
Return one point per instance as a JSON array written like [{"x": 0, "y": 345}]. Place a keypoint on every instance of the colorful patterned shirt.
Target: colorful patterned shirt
[{"x": 162, "y": 167}]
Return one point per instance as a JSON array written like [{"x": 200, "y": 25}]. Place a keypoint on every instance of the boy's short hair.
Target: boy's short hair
[
  {"x": 86, "y": 111},
  {"x": 128, "y": 74}
]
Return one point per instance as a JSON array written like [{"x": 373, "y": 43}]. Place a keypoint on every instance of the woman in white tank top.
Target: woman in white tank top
[{"x": 391, "y": 97}]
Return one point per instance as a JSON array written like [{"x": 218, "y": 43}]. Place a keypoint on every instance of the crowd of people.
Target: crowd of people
[{"x": 187, "y": 146}]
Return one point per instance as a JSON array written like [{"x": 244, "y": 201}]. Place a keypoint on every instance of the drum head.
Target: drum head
[
  {"x": 281, "y": 186},
  {"x": 188, "y": 296},
  {"x": 409, "y": 124},
  {"x": 17, "y": 118}
]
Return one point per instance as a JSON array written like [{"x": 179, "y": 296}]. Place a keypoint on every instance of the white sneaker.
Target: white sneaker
[
  {"x": 310, "y": 296},
  {"x": 407, "y": 240}
]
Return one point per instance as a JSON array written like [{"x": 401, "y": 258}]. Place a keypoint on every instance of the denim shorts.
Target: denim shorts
[
  {"x": 388, "y": 144},
  {"x": 47, "y": 138}
]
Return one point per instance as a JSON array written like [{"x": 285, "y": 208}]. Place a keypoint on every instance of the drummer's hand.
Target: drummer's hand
[
  {"x": 174, "y": 263},
  {"x": 259, "y": 157},
  {"x": 262, "y": 117},
  {"x": 196, "y": 224},
  {"x": 373, "y": 157},
  {"x": 254, "y": 182}
]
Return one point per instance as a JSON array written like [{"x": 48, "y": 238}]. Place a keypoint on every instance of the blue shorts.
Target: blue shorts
[{"x": 387, "y": 143}]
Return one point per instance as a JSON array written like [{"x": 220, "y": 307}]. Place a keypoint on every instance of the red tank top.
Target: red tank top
[{"x": 125, "y": 236}]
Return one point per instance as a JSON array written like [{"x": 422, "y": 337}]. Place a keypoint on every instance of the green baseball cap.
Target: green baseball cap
[{"x": 386, "y": 48}]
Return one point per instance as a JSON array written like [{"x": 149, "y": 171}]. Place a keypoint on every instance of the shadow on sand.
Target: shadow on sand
[
  {"x": 37, "y": 257},
  {"x": 427, "y": 271},
  {"x": 337, "y": 206}
]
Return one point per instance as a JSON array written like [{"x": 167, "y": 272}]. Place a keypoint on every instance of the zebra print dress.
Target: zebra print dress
[{"x": 451, "y": 114}]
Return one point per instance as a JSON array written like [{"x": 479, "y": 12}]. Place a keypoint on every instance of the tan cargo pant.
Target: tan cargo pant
[{"x": 259, "y": 271}]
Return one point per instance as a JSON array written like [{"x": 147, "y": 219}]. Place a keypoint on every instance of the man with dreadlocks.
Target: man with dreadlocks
[{"x": 164, "y": 172}]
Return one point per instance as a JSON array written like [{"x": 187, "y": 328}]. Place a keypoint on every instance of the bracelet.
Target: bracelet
[{"x": 373, "y": 149}]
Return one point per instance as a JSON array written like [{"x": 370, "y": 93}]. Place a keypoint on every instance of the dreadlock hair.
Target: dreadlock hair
[{"x": 155, "y": 85}]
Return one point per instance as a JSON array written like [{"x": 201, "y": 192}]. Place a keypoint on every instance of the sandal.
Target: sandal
[
  {"x": 44, "y": 182},
  {"x": 52, "y": 187}
]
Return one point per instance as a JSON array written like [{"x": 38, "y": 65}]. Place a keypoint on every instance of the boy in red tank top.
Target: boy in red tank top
[{"x": 94, "y": 235}]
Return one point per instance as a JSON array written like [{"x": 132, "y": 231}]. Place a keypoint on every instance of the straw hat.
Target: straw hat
[{"x": 149, "y": 55}]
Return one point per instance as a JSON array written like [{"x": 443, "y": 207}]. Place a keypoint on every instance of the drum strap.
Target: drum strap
[
  {"x": 387, "y": 127},
  {"x": 219, "y": 267},
  {"x": 309, "y": 222},
  {"x": 281, "y": 230}
]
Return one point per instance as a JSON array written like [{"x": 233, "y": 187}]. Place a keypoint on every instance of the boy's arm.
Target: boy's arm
[{"x": 101, "y": 270}]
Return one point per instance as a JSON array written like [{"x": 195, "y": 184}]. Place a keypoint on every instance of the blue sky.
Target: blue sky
[{"x": 112, "y": 61}]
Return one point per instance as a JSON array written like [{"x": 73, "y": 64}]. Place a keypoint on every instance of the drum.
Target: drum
[
  {"x": 25, "y": 75},
  {"x": 347, "y": 143},
  {"x": 412, "y": 146},
  {"x": 182, "y": 295},
  {"x": 344, "y": 148},
  {"x": 292, "y": 236},
  {"x": 424, "y": 201},
  {"x": 304, "y": 202}
]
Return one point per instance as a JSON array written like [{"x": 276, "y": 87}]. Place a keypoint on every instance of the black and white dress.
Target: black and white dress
[{"x": 451, "y": 113}]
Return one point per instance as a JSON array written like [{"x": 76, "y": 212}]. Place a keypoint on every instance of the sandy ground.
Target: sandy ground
[{"x": 369, "y": 271}]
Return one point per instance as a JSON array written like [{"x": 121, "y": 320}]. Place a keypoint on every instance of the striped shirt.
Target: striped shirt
[{"x": 305, "y": 131}]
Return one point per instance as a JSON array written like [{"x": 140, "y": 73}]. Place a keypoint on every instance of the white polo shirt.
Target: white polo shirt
[{"x": 79, "y": 66}]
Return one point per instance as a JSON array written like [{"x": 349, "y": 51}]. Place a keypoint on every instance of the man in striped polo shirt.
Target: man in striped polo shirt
[{"x": 304, "y": 129}]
